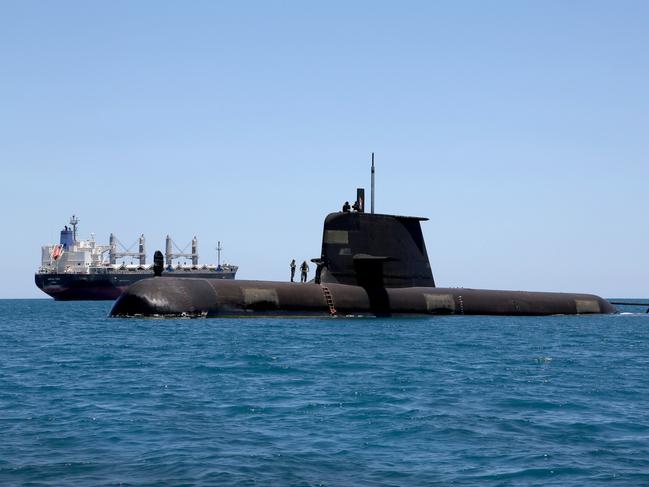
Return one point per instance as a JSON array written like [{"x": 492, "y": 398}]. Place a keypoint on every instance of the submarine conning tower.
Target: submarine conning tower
[{"x": 374, "y": 250}]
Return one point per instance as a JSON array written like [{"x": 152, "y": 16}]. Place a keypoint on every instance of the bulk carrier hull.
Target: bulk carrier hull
[{"x": 98, "y": 287}]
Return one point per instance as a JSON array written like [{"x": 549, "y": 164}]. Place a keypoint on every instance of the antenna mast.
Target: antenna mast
[
  {"x": 74, "y": 221},
  {"x": 372, "y": 189},
  {"x": 218, "y": 252}
]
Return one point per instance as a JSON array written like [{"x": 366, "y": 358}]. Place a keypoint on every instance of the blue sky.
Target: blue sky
[{"x": 518, "y": 128}]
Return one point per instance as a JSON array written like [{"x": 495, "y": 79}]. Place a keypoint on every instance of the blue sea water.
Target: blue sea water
[{"x": 90, "y": 400}]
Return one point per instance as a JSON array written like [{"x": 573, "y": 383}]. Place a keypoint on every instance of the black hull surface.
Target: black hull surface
[
  {"x": 201, "y": 297},
  {"x": 108, "y": 286}
]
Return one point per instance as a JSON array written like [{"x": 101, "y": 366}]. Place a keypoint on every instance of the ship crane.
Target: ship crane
[
  {"x": 114, "y": 254},
  {"x": 170, "y": 255}
]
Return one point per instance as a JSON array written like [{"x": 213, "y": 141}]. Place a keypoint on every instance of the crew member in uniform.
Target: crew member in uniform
[
  {"x": 305, "y": 270},
  {"x": 346, "y": 207},
  {"x": 293, "y": 266}
]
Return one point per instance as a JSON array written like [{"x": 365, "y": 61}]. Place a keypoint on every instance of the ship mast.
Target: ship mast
[
  {"x": 74, "y": 222},
  {"x": 218, "y": 253}
]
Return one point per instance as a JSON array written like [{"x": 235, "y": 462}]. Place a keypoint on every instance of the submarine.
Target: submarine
[{"x": 370, "y": 265}]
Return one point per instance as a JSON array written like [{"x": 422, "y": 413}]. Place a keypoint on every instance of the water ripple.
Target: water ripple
[{"x": 87, "y": 400}]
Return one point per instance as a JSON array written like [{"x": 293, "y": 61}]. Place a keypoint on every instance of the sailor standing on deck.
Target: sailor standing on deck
[
  {"x": 305, "y": 270},
  {"x": 293, "y": 266}
]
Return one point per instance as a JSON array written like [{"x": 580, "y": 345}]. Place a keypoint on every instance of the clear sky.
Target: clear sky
[{"x": 520, "y": 128}]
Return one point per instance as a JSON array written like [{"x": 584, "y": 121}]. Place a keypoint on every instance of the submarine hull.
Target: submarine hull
[{"x": 173, "y": 297}]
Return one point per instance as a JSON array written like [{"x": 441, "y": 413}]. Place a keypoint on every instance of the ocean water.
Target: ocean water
[{"x": 90, "y": 400}]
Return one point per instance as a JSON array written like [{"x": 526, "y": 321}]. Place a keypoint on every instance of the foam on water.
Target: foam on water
[{"x": 85, "y": 399}]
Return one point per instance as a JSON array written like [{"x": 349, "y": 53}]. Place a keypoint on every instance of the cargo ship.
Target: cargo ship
[{"x": 83, "y": 270}]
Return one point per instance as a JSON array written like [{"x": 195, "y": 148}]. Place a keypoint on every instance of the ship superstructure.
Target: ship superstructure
[{"x": 77, "y": 269}]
